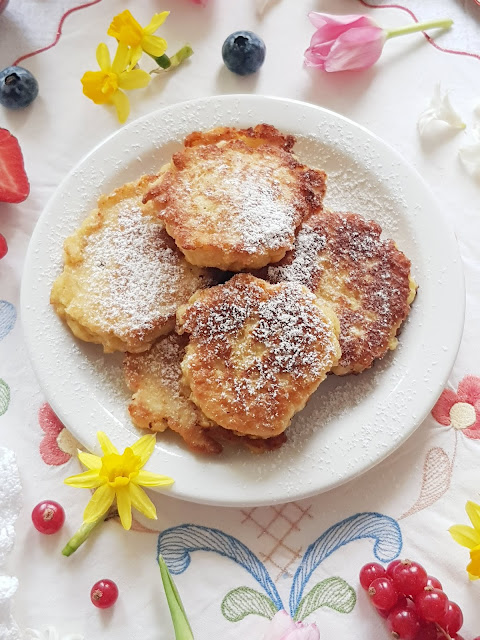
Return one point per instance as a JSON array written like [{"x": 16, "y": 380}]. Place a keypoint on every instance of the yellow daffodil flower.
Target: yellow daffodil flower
[
  {"x": 128, "y": 31},
  {"x": 105, "y": 86},
  {"x": 470, "y": 537},
  {"x": 119, "y": 476}
]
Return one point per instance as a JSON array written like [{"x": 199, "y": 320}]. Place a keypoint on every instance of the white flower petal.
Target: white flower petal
[
  {"x": 470, "y": 155},
  {"x": 439, "y": 111}
]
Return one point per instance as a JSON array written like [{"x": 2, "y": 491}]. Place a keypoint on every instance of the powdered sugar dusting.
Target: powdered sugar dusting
[{"x": 301, "y": 268}]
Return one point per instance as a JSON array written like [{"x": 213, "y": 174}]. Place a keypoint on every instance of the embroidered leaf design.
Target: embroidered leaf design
[
  {"x": 243, "y": 601},
  {"x": 437, "y": 473},
  {"x": 4, "y": 396},
  {"x": 177, "y": 543},
  {"x": 382, "y": 529},
  {"x": 8, "y": 315},
  {"x": 333, "y": 593}
]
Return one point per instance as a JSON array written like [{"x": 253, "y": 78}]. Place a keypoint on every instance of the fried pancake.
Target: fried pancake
[
  {"x": 233, "y": 199},
  {"x": 343, "y": 260},
  {"x": 256, "y": 353},
  {"x": 123, "y": 277},
  {"x": 161, "y": 400}
]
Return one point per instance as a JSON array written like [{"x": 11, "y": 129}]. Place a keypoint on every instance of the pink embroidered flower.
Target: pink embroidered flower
[
  {"x": 282, "y": 627},
  {"x": 461, "y": 410},
  {"x": 57, "y": 446}
]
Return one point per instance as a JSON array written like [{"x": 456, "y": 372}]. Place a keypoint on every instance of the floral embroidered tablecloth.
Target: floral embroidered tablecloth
[{"x": 236, "y": 567}]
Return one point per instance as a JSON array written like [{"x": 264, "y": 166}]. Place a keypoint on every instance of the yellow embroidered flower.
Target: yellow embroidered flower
[
  {"x": 105, "y": 86},
  {"x": 128, "y": 31},
  {"x": 470, "y": 537},
  {"x": 119, "y": 476}
]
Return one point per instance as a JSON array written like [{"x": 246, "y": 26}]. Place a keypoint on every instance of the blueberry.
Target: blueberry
[
  {"x": 18, "y": 88},
  {"x": 243, "y": 52}
]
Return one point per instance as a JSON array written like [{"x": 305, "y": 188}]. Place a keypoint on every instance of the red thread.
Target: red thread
[
  {"x": 59, "y": 31},
  {"x": 427, "y": 37}
]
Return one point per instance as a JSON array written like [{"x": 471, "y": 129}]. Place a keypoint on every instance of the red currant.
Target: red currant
[
  {"x": 104, "y": 594},
  {"x": 453, "y": 619},
  {"x": 409, "y": 578},
  {"x": 403, "y": 621},
  {"x": 369, "y": 572},
  {"x": 48, "y": 517},
  {"x": 428, "y": 631},
  {"x": 3, "y": 247},
  {"x": 382, "y": 593},
  {"x": 431, "y": 604},
  {"x": 391, "y": 568},
  {"x": 434, "y": 582}
]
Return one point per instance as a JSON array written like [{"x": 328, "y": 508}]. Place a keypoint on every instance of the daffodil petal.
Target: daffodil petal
[
  {"x": 92, "y": 82},
  {"x": 466, "y": 536},
  {"x": 85, "y": 480},
  {"x": 143, "y": 448},
  {"x": 135, "y": 55},
  {"x": 136, "y": 79},
  {"x": 121, "y": 59},
  {"x": 142, "y": 502},
  {"x": 473, "y": 512},
  {"x": 157, "y": 20},
  {"x": 149, "y": 479},
  {"x": 473, "y": 567},
  {"x": 107, "y": 446},
  {"x": 99, "y": 503},
  {"x": 103, "y": 57},
  {"x": 89, "y": 460},
  {"x": 124, "y": 506},
  {"x": 154, "y": 45},
  {"x": 122, "y": 105}
]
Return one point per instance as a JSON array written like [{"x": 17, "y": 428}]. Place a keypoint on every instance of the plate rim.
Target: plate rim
[{"x": 447, "y": 228}]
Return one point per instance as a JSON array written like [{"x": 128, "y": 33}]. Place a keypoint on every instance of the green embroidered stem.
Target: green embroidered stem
[
  {"x": 182, "y": 628},
  {"x": 419, "y": 26},
  {"x": 81, "y": 535}
]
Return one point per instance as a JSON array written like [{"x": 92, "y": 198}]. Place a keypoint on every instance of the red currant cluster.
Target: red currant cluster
[
  {"x": 48, "y": 517},
  {"x": 414, "y": 604}
]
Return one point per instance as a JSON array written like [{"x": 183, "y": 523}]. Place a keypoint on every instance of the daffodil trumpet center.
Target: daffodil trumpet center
[
  {"x": 418, "y": 26},
  {"x": 119, "y": 470},
  {"x": 109, "y": 84}
]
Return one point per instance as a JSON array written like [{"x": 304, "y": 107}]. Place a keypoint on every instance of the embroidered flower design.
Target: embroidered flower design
[
  {"x": 461, "y": 410},
  {"x": 58, "y": 445}
]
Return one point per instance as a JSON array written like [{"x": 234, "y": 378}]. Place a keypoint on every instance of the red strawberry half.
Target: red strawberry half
[{"x": 14, "y": 186}]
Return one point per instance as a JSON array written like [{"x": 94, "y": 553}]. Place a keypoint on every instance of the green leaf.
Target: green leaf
[
  {"x": 333, "y": 593},
  {"x": 4, "y": 396},
  {"x": 182, "y": 628},
  {"x": 243, "y": 601}
]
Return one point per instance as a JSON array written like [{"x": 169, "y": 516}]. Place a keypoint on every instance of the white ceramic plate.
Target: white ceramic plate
[{"x": 350, "y": 424}]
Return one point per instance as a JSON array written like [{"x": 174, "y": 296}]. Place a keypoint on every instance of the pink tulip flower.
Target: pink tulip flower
[
  {"x": 282, "y": 627},
  {"x": 352, "y": 42}
]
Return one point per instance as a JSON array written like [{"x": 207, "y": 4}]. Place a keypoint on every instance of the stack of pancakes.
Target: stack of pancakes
[{"x": 231, "y": 290}]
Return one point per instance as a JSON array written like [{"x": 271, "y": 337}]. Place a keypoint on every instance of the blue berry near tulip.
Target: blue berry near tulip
[
  {"x": 18, "y": 88},
  {"x": 243, "y": 52}
]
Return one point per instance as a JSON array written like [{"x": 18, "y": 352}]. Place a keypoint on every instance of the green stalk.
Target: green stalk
[
  {"x": 183, "y": 630},
  {"x": 82, "y": 534},
  {"x": 170, "y": 62},
  {"x": 419, "y": 26}
]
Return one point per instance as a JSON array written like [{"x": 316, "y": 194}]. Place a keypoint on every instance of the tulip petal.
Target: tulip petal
[
  {"x": 121, "y": 59},
  {"x": 135, "y": 79},
  {"x": 142, "y": 502},
  {"x": 99, "y": 503},
  {"x": 92, "y": 82},
  {"x": 85, "y": 480},
  {"x": 465, "y": 536},
  {"x": 122, "y": 105},
  {"x": 149, "y": 479},
  {"x": 107, "y": 446},
  {"x": 143, "y": 448},
  {"x": 473, "y": 512},
  {"x": 336, "y": 24},
  {"x": 157, "y": 20},
  {"x": 89, "y": 460},
  {"x": 103, "y": 57},
  {"x": 154, "y": 46},
  {"x": 356, "y": 49},
  {"x": 124, "y": 506}
]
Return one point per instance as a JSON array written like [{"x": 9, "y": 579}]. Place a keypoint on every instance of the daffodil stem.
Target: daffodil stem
[
  {"x": 170, "y": 62},
  {"x": 419, "y": 26},
  {"x": 183, "y": 630},
  {"x": 81, "y": 535}
]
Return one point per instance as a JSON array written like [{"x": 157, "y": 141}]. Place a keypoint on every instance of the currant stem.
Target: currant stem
[
  {"x": 79, "y": 538},
  {"x": 446, "y": 635},
  {"x": 419, "y": 26}
]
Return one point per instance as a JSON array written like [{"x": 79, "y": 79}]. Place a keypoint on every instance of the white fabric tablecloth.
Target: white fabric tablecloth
[{"x": 407, "y": 503}]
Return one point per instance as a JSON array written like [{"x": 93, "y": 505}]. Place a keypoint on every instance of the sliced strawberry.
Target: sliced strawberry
[{"x": 14, "y": 186}]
